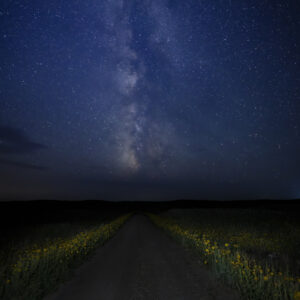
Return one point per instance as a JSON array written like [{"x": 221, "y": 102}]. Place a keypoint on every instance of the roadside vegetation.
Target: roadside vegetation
[
  {"x": 33, "y": 267},
  {"x": 255, "y": 252}
]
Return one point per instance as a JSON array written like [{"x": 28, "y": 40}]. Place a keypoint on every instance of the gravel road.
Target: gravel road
[{"x": 142, "y": 262}]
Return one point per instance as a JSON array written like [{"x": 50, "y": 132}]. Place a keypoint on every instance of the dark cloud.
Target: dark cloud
[
  {"x": 20, "y": 164},
  {"x": 14, "y": 141}
]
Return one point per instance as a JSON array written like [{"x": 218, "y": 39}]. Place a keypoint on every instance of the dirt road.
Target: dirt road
[{"x": 141, "y": 262}]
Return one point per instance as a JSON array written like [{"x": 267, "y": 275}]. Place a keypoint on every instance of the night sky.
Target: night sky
[{"x": 149, "y": 100}]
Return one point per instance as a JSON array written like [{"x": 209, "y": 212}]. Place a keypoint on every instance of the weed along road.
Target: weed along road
[{"x": 141, "y": 262}]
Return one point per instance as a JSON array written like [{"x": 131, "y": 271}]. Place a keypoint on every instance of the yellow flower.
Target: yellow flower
[
  {"x": 297, "y": 296},
  {"x": 226, "y": 244},
  {"x": 266, "y": 278},
  {"x": 7, "y": 281}
]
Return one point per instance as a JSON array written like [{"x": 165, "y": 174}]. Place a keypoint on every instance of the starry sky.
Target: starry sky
[{"x": 149, "y": 100}]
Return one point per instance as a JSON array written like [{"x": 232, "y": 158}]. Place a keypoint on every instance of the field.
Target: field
[
  {"x": 256, "y": 252},
  {"x": 36, "y": 257},
  {"x": 167, "y": 250}
]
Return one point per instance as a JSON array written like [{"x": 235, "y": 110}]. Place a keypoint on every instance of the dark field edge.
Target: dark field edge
[
  {"x": 289, "y": 204},
  {"x": 20, "y": 213}
]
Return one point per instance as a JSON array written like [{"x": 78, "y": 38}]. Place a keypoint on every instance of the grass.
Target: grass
[
  {"x": 256, "y": 252},
  {"x": 33, "y": 267}
]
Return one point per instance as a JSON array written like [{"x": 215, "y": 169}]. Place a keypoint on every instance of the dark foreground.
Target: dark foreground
[{"x": 141, "y": 262}]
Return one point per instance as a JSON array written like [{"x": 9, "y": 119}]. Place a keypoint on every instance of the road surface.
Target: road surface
[{"x": 142, "y": 262}]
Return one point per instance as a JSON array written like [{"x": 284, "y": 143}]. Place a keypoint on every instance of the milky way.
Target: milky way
[
  {"x": 140, "y": 139},
  {"x": 149, "y": 100}
]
